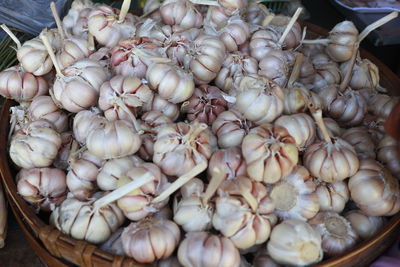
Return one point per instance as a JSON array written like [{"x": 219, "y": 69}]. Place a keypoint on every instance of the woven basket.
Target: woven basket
[{"x": 57, "y": 249}]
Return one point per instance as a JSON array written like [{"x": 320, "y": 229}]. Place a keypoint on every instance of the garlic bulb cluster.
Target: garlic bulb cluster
[{"x": 389, "y": 155}]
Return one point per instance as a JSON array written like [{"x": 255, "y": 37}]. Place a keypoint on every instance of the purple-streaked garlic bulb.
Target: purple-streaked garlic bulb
[
  {"x": 218, "y": 15},
  {"x": 86, "y": 121},
  {"x": 231, "y": 162},
  {"x": 83, "y": 221},
  {"x": 82, "y": 174},
  {"x": 123, "y": 96},
  {"x": 33, "y": 55},
  {"x": 374, "y": 190},
  {"x": 337, "y": 234},
  {"x": 150, "y": 239},
  {"x": 256, "y": 13},
  {"x": 157, "y": 103},
  {"x": 43, "y": 107},
  {"x": 295, "y": 242},
  {"x": 137, "y": 204},
  {"x": 332, "y": 127},
  {"x": 243, "y": 212},
  {"x": 259, "y": 100},
  {"x": 331, "y": 160},
  {"x": 270, "y": 153},
  {"x": 211, "y": 251},
  {"x": 75, "y": 22},
  {"x": 292, "y": 39},
  {"x": 326, "y": 71},
  {"x": 171, "y": 82},
  {"x": 114, "y": 170},
  {"x": 263, "y": 42},
  {"x": 348, "y": 107},
  {"x": 275, "y": 66},
  {"x": 389, "y": 155},
  {"x": 35, "y": 145},
  {"x": 180, "y": 147},
  {"x": 181, "y": 14},
  {"x": 343, "y": 38},
  {"x": 150, "y": 123},
  {"x": 296, "y": 99},
  {"x": 113, "y": 139},
  {"x": 44, "y": 188},
  {"x": 206, "y": 103},
  {"x": 61, "y": 161},
  {"x": 365, "y": 226},
  {"x": 294, "y": 196},
  {"x": 78, "y": 87},
  {"x": 231, "y": 127},
  {"x": 19, "y": 85},
  {"x": 235, "y": 66},
  {"x": 109, "y": 25},
  {"x": 365, "y": 74},
  {"x": 332, "y": 196},
  {"x": 114, "y": 243},
  {"x": 300, "y": 126},
  {"x": 381, "y": 105},
  {"x": 307, "y": 73},
  {"x": 361, "y": 140}
]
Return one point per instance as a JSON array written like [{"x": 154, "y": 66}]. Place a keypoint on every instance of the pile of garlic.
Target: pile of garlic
[{"x": 202, "y": 126}]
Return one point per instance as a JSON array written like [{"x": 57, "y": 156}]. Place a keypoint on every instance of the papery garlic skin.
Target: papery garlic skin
[
  {"x": 35, "y": 145},
  {"x": 295, "y": 242},
  {"x": 79, "y": 220},
  {"x": 332, "y": 196},
  {"x": 114, "y": 140},
  {"x": 114, "y": 243},
  {"x": 19, "y": 85},
  {"x": 375, "y": 191},
  {"x": 232, "y": 161},
  {"x": 157, "y": 103},
  {"x": 72, "y": 50},
  {"x": 86, "y": 121},
  {"x": 270, "y": 153},
  {"x": 362, "y": 142},
  {"x": 211, "y": 251},
  {"x": 332, "y": 127},
  {"x": 336, "y": 232},
  {"x": 262, "y": 42},
  {"x": 275, "y": 66},
  {"x": 300, "y": 126},
  {"x": 43, "y": 107},
  {"x": 381, "y": 105},
  {"x": 343, "y": 39},
  {"x": 389, "y": 155},
  {"x": 365, "y": 226},
  {"x": 297, "y": 98},
  {"x": 61, "y": 161},
  {"x": 326, "y": 71},
  {"x": 75, "y": 21},
  {"x": 42, "y": 187},
  {"x": 181, "y": 14},
  {"x": 150, "y": 239}
]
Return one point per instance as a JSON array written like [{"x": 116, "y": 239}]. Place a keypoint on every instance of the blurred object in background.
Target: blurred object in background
[
  {"x": 290, "y": 8},
  {"x": 371, "y": 5}
]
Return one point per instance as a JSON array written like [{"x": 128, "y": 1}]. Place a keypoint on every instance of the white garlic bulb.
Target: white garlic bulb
[
  {"x": 332, "y": 196},
  {"x": 365, "y": 226}
]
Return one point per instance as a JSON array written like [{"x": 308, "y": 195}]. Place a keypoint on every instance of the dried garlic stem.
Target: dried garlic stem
[
  {"x": 349, "y": 72},
  {"x": 91, "y": 42},
  {"x": 123, "y": 190},
  {"x": 267, "y": 20},
  {"x": 45, "y": 40},
  {"x": 290, "y": 25},
  {"x": 376, "y": 24},
  {"x": 57, "y": 19},
  {"x": 12, "y": 36},
  {"x": 124, "y": 10},
  {"x": 296, "y": 70},
  {"x": 181, "y": 181},
  {"x": 140, "y": 53},
  {"x": 316, "y": 41},
  {"x": 317, "y": 115},
  {"x": 3, "y": 218},
  {"x": 215, "y": 182},
  {"x": 73, "y": 151},
  {"x": 122, "y": 105},
  {"x": 205, "y": 2}
]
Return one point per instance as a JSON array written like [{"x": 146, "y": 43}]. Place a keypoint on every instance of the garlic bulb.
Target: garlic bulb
[
  {"x": 43, "y": 107},
  {"x": 205, "y": 105},
  {"x": 262, "y": 42},
  {"x": 300, "y": 126},
  {"x": 231, "y": 162},
  {"x": 150, "y": 239},
  {"x": 260, "y": 100},
  {"x": 114, "y": 139},
  {"x": 332, "y": 196},
  {"x": 292, "y": 39},
  {"x": 114, "y": 243},
  {"x": 343, "y": 38},
  {"x": 82, "y": 221},
  {"x": 33, "y": 55},
  {"x": 78, "y": 88},
  {"x": 122, "y": 96},
  {"x": 275, "y": 66},
  {"x": 19, "y": 85},
  {"x": 61, "y": 161},
  {"x": 381, "y": 105},
  {"x": 365, "y": 226},
  {"x": 270, "y": 153},
  {"x": 137, "y": 204},
  {"x": 336, "y": 232},
  {"x": 180, "y": 147},
  {"x": 332, "y": 127},
  {"x": 262, "y": 259},
  {"x": 375, "y": 191},
  {"x": 157, "y": 103},
  {"x": 256, "y": 13},
  {"x": 35, "y": 145},
  {"x": 109, "y": 26},
  {"x": 296, "y": 99},
  {"x": 171, "y": 82},
  {"x": 295, "y": 242},
  {"x": 233, "y": 4},
  {"x": 114, "y": 170},
  {"x": 307, "y": 73},
  {"x": 86, "y": 121},
  {"x": 326, "y": 72},
  {"x": 294, "y": 196},
  {"x": 211, "y": 251},
  {"x": 389, "y": 155},
  {"x": 365, "y": 74},
  {"x": 75, "y": 21},
  {"x": 243, "y": 212},
  {"x": 231, "y": 127},
  {"x": 72, "y": 50},
  {"x": 362, "y": 142},
  {"x": 42, "y": 187},
  {"x": 181, "y": 14}
]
